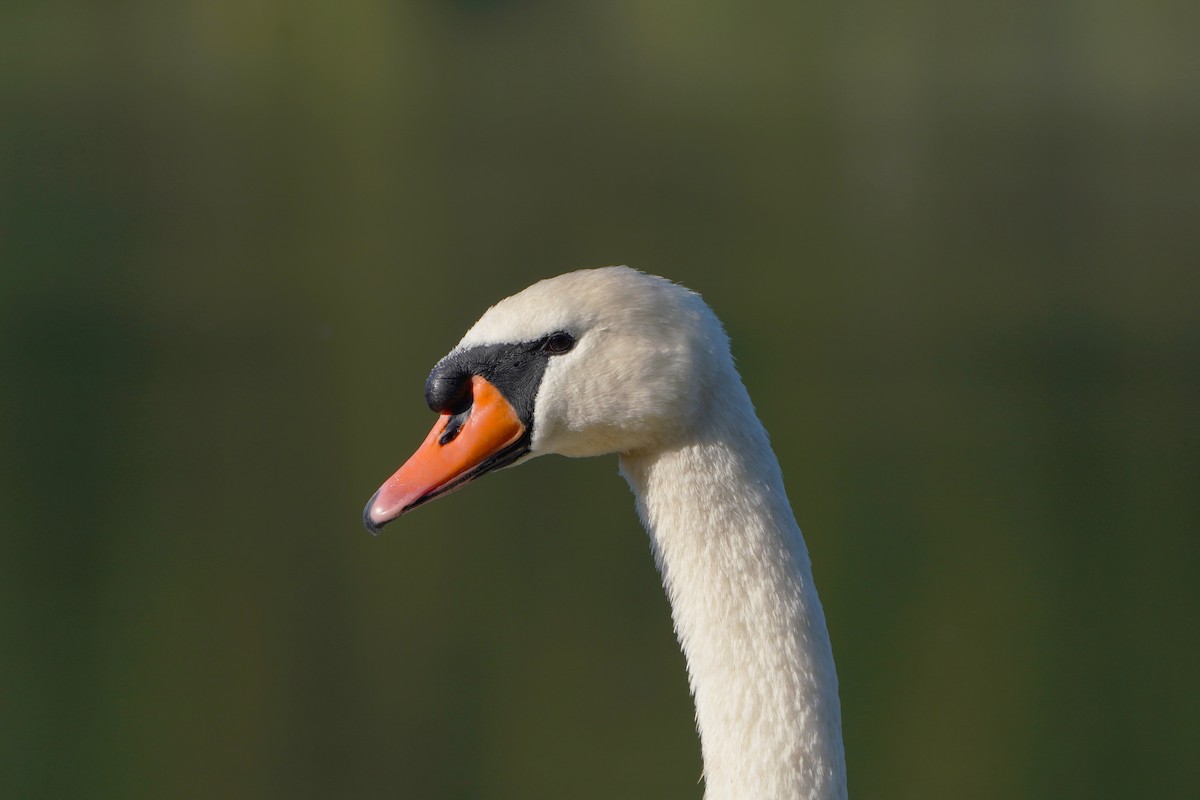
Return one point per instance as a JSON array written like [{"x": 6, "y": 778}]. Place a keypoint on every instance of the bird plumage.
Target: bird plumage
[{"x": 649, "y": 376}]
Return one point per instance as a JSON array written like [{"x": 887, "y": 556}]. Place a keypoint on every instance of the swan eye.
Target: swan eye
[{"x": 557, "y": 343}]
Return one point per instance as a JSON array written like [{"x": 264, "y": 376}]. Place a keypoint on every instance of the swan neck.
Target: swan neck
[{"x": 746, "y": 612}]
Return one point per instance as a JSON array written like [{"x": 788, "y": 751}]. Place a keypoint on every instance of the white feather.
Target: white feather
[{"x": 652, "y": 378}]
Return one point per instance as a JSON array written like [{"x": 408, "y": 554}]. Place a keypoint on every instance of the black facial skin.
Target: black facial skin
[{"x": 515, "y": 370}]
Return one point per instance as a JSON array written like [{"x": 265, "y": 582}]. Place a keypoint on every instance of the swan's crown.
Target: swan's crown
[{"x": 647, "y": 353}]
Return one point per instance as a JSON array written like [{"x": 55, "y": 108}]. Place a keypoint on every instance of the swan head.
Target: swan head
[{"x": 592, "y": 362}]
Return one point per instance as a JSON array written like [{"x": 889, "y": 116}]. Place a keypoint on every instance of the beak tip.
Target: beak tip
[{"x": 369, "y": 521}]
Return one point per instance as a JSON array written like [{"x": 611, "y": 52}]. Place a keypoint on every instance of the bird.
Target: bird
[{"x": 615, "y": 360}]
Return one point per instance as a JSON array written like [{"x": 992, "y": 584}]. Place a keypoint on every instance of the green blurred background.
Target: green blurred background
[{"x": 956, "y": 248}]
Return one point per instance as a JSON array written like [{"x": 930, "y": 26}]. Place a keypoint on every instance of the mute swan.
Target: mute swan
[{"x": 616, "y": 361}]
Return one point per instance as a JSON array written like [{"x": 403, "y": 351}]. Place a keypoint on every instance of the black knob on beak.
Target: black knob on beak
[{"x": 448, "y": 389}]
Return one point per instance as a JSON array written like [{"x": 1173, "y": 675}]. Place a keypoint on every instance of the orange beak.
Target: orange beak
[{"x": 460, "y": 447}]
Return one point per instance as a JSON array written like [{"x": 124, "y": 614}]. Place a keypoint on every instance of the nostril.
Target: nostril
[
  {"x": 453, "y": 427},
  {"x": 448, "y": 391}
]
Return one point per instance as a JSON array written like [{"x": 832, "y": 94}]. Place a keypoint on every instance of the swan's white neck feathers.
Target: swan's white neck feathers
[{"x": 745, "y": 608}]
